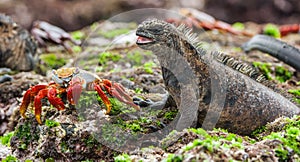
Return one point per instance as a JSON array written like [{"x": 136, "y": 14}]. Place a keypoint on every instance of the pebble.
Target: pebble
[
  {"x": 141, "y": 102},
  {"x": 5, "y": 78}
]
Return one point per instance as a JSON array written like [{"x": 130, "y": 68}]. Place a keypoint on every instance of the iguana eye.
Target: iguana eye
[{"x": 156, "y": 30}]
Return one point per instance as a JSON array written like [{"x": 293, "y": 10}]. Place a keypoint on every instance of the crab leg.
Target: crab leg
[
  {"x": 118, "y": 91},
  {"x": 28, "y": 97},
  {"x": 25, "y": 103},
  {"x": 103, "y": 97},
  {"x": 38, "y": 104}
]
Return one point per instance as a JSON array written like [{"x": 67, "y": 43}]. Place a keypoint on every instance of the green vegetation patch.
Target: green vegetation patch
[
  {"x": 135, "y": 58},
  {"x": 5, "y": 139},
  {"x": 10, "y": 158},
  {"x": 238, "y": 26},
  {"x": 272, "y": 30},
  {"x": 265, "y": 68},
  {"x": 211, "y": 142},
  {"x": 114, "y": 33},
  {"x": 52, "y": 61},
  {"x": 173, "y": 158},
  {"x": 296, "y": 93},
  {"x": 26, "y": 134},
  {"x": 289, "y": 142},
  {"x": 286, "y": 133},
  {"x": 51, "y": 123},
  {"x": 78, "y": 35},
  {"x": 170, "y": 115},
  {"x": 104, "y": 57},
  {"x": 148, "y": 67},
  {"x": 282, "y": 74},
  {"x": 122, "y": 158}
]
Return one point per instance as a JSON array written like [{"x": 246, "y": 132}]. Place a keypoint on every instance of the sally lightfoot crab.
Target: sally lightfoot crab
[{"x": 71, "y": 82}]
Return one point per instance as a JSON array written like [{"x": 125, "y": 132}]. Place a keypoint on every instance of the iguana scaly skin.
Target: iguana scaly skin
[
  {"x": 18, "y": 50},
  {"x": 248, "y": 103}
]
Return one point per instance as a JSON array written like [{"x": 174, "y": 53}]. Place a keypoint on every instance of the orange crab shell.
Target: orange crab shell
[{"x": 65, "y": 72}]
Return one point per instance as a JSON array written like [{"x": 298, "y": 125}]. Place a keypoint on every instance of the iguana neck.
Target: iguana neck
[{"x": 183, "y": 64}]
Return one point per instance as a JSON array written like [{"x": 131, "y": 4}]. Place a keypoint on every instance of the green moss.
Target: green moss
[
  {"x": 207, "y": 143},
  {"x": 200, "y": 131},
  {"x": 78, "y": 35},
  {"x": 138, "y": 90},
  {"x": 50, "y": 160},
  {"x": 222, "y": 140},
  {"x": 114, "y": 33},
  {"x": 135, "y": 58},
  {"x": 134, "y": 127},
  {"x": 104, "y": 57},
  {"x": 52, "y": 61},
  {"x": 271, "y": 30},
  {"x": 238, "y": 26},
  {"x": 26, "y": 134},
  {"x": 90, "y": 141},
  {"x": 76, "y": 49},
  {"x": 170, "y": 115},
  {"x": 88, "y": 98},
  {"x": 51, "y": 123},
  {"x": 117, "y": 107},
  {"x": 122, "y": 158},
  {"x": 265, "y": 68},
  {"x": 288, "y": 137},
  {"x": 282, "y": 74},
  {"x": 148, "y": 67},
  {"x": 5, "y": 139},
  {"x": 296, "y": 93},
  {"x": 114, "y": 134},
  {"x": 257, "y": 131},
  {"x": 10, "y": 158},
  {"x": 173, "y": 158}
]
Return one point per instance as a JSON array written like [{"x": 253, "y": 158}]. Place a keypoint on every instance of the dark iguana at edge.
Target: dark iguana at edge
[{"x": 248, "y": 104}]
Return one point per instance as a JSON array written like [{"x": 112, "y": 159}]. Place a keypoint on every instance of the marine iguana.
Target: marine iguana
[
  {"x": 243, "y": 98},
  {"x": 17, "y": 47}
]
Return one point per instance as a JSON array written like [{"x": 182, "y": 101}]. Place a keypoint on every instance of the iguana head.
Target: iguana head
[{"x": 154, "y": 33}]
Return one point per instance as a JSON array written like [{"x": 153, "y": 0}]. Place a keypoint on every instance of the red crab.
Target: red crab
[
  {"x": 72, "y": 81},
  {"x": 290, "y": 28},
  {"x": 198, "y": 19},
  {"x": 43, "y": 31}
]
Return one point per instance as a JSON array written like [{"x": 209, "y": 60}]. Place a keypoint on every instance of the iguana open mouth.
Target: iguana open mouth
[{"x": 143, "y": 40}]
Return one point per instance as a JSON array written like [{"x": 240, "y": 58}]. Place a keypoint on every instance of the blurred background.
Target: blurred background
[{"x": 75, "y": 14}]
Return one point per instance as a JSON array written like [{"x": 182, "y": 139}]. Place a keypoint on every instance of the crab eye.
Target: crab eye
[
  {"x": 76, "y": 71},
  {"x": 55, "y": 78}
]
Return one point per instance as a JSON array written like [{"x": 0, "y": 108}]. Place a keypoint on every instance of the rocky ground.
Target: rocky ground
[{"x": 84, "y": 133}]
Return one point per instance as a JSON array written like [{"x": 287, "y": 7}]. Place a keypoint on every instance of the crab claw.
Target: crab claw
[
  {"x": 54, "y": 100},
  {"x": 118, "y": 91},
  {"x": 75, "y": 89}
]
